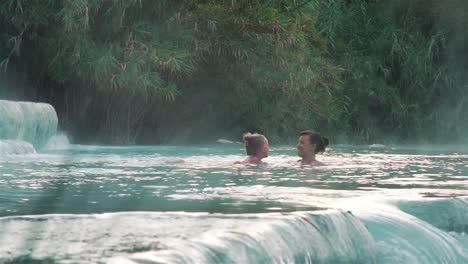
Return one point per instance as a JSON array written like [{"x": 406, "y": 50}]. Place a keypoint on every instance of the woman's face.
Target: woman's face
[{"x": 304, "y": 148}]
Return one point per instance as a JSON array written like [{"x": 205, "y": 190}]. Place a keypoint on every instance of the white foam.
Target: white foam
[{"x": 15, "y": 147}]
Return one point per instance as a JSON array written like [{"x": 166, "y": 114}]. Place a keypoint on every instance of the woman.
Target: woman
[
  {"x": 256, "y": 146},
  {"x": 310, "y": 143}
]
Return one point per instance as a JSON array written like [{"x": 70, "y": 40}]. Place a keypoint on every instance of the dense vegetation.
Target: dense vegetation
[{"x": 143, "y": 71}]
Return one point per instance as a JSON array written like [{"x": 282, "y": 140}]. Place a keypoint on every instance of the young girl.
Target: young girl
[{"x": 256, "y": 146}]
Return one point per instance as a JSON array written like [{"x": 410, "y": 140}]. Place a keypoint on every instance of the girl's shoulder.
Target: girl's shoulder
[{"x": 250, "y": 160}]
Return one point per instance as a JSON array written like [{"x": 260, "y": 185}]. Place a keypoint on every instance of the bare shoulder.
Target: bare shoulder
[{"x": 313, "y": 163}]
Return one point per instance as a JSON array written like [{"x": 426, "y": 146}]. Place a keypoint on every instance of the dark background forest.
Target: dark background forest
[{"x": 186, "y": 71}]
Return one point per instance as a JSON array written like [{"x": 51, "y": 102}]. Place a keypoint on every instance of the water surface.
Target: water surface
[{"x": 179, "y": 204}]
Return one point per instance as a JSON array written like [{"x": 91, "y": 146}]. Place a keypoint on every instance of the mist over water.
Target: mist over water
[{"x": 185, "y": 204}]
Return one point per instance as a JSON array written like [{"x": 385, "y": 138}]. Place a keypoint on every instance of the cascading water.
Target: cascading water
[
  {"x": 8, "y": 146},
  {"x": 186, "y": 204},
  {"x": 25, "y": 122},
  {"x": 446, "y": 214},
  {"x": 320, "y": 237},
  {"x": 406, "y": 238},
  {"x": 317, "y": 237}
]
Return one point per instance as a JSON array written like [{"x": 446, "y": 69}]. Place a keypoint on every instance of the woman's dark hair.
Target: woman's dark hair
[
  {"x": 315, "y": 138},
  {"x": 253, "y": 143}
]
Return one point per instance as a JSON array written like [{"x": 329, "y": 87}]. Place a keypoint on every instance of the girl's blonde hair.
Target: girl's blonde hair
[{"x": 253, "y": 143}]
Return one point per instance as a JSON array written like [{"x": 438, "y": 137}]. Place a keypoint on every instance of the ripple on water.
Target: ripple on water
[{"x": 204, "y": 181}]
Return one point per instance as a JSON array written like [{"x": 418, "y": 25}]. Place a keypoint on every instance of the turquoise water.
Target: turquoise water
[
  {"x": 28, "y": 122},
  {"x": 190, "y": 204}
]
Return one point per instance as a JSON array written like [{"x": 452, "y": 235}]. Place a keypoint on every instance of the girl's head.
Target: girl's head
[{"x": 256, "y": 145}]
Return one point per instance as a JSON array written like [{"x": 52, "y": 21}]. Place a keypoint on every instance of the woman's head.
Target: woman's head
[
  {"x": 311, "y": 142},
  {"x": 256, "y": 145}
]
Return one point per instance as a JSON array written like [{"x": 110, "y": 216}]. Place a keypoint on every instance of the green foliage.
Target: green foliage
[
  {"x": 276, "y": 81},
  {"x": 151, "y": 71},
  {"x": 397, "y": 63}
]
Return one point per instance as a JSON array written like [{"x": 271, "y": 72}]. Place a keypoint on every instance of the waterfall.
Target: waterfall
[
  {"x": 303, "y": 237},
  {"x": 8, "y": 147},
  {"x": 430, "y": 231},
  {"x": 29, "y": 122},
  {"x": 384, "y": 234}
]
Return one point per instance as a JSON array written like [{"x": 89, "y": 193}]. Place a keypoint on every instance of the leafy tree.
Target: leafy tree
[{"x": 141, "y": 71}]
